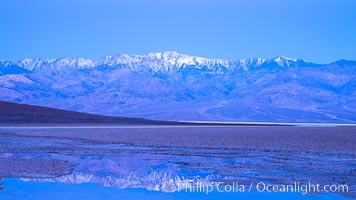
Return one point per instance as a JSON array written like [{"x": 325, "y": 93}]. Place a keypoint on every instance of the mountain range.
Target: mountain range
[{"x": 173, "y": 86}]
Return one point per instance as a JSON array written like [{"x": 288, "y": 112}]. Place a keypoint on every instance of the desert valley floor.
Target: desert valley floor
[{"x": 151, "y": 161}]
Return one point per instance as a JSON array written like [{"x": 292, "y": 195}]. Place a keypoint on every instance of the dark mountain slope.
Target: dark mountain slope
[{"x": 23, "y": 113}]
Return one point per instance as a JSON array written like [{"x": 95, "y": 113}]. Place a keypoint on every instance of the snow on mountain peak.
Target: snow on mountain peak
[
  {"x": 161, "y": 61},
  {"x": 284, "y": 61}
]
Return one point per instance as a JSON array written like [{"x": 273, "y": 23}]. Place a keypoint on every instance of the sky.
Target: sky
[{"x": 316, "y": 30}]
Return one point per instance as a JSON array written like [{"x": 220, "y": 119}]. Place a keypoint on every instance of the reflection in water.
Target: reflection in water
[
  {"x": 155, "y": 168},
  {"x": 169, "y": 170},
  {"x": 53, "y": 191},
  {"x": 164, "y": 173}
]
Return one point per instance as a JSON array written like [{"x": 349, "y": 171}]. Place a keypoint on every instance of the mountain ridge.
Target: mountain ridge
[
  {"x": 163, "y": 61},
  {"x": 177, "y": 87}
]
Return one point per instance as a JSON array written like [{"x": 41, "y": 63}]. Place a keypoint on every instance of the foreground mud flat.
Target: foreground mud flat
[{"x": 162, "y": 158}]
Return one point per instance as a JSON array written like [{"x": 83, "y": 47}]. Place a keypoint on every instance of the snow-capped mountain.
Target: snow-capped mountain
[
  {"x": 166, "y": 61},
  {"x": 173, "y": 86}
]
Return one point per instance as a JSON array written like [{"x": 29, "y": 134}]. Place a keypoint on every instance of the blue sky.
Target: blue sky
[{"x": 316, "y": 30}]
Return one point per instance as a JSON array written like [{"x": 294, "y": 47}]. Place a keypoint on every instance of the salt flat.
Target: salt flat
[
  {"x": 316, "y": 139},
  {"x": 152, "y": 157}
]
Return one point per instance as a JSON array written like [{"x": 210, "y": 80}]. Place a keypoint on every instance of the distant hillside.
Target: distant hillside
[
  {"x": 178, "y": 87},
  {"x": 23, "y": 113}
]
